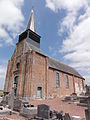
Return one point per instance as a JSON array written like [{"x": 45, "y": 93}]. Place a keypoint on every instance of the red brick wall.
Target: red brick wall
[
  {"x": 62, "y": 91},
  {"x": 38, "y": 74},
  {"x": 16, "y": 57}
]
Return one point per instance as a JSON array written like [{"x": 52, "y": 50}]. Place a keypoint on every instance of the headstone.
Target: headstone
[
  {"x": 83, "y": 99},
  {"x": 5, "y": 99},
  {"x": 87, "y": 90},
  {"x": 51, "y": 114},
  {"x": 43, "y": 111},
  {"x": 28, "y": 112},
  {"x": 11, "y": 100},
  {"x": 89, "y": 104},
  {"x": 17, "y": 104},
  {"x": 87, "y": 114},
  {"x": 59, "y": 116},
  {"x": 67, "y": 116}
]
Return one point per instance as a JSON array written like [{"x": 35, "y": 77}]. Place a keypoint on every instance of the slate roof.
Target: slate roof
[
  {"x": 34, "y": 48},
  {"x": 62, "y": 67},
  {"x": 31, "y": 23},
  {"x": 52, "y": 63}
]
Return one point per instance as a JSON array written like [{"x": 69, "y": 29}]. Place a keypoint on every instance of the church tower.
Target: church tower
[
  {"x": 30, "y": 33},
  {"x": 20, "y": 63}
]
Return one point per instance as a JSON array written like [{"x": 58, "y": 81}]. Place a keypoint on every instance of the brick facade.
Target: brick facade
[{"x": 34, "y": 72}]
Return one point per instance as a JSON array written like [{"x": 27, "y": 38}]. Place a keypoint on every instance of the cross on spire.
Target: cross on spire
[{"x": 31, "y": 23}]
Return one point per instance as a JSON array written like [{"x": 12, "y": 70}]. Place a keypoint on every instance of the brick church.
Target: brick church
[{"x": 34, "y": 75}]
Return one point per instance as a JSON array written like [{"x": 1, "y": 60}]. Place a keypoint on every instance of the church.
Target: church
[{"x": 34, "y": 75}]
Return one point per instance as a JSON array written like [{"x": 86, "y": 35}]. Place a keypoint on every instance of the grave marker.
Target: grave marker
[{"x": 43, "y": 111}]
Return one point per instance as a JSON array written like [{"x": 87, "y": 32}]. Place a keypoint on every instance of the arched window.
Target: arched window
[
  {"x": 18, "y": 66},
  {"x": 15, "y": 85},
  {"x": 16, "y": 80},
  {"x": 67, "y": 81},
  {"x": 57, "y": 80}
]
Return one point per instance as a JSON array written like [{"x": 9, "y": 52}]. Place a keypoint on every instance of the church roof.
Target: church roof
[
  {"x": 54, "y": 64},
  {"x": 62, "y": 67},
  {"x": 34, "y": 48}
]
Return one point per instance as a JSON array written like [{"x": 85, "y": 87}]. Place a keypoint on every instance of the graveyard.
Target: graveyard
[{"x": 69, "y": 108}]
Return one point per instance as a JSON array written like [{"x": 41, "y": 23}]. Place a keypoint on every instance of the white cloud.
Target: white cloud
[
  {"x": 2, "y": 71},
  {"x": 5, "y": 36},
  {"x": 11, "y": 19},
  {"x": 2, "y": 75},
  {"x": 76, "y": 46},
  {"x": 69, "y": 5}
]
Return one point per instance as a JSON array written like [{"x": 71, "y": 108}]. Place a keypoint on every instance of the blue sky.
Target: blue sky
[{"x": 63, "y": 27}]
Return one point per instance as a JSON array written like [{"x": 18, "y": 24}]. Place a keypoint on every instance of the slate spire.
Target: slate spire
[{"x": 31, "y": 23}]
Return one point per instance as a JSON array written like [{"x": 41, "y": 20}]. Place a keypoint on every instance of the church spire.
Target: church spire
[
  {"x": 30, "y": 35},
  {"x": 31, "y": 23}
]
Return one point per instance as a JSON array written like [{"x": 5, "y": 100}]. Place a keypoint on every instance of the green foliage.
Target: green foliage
[{"x": 1, "y": 93}]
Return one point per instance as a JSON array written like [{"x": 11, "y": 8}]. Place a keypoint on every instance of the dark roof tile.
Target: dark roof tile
[{"x": 62, "y": 67}]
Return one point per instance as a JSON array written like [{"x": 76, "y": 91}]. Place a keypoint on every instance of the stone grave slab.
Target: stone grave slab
[
  {"x": 67, "y": 116},
  {"x": 43, "y": 111},
  {"x": 28, "y": 112}
]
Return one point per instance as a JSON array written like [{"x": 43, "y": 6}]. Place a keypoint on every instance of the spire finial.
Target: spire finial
[
  {"x": 32, "y": 8},
  {"x": 31, "y": 23}
]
